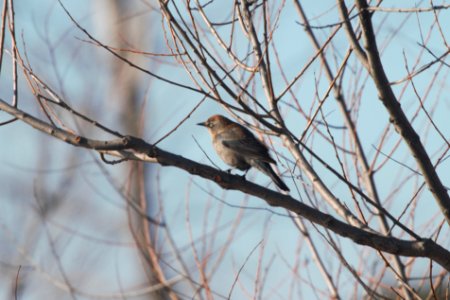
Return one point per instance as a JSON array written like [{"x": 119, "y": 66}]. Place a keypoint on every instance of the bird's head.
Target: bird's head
[{"x": 215, "y": 123}]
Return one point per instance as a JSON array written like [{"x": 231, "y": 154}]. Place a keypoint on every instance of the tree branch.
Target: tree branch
[
  {"x": 397, "y": 116},
  {"x": 135, "y": 148}
]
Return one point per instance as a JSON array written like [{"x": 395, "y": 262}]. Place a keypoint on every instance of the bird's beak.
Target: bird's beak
[{"x": 202, "y": 124}]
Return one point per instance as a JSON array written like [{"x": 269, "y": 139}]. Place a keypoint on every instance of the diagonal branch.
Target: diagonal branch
[
  {"x": 135, "y": 148},
  {"x": 397, "y": 116}
]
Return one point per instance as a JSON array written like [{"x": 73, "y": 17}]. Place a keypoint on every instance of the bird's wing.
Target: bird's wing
[{"x": 251, "y": 147}]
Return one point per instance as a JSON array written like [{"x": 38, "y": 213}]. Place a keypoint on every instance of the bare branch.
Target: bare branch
[{"x": 398, "y": 117}]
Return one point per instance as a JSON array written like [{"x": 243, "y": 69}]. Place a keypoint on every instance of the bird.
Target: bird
[{"x": 239, "y": 148}]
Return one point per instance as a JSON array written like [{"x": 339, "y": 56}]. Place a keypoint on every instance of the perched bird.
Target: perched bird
[{"x": 239, "y": 148}]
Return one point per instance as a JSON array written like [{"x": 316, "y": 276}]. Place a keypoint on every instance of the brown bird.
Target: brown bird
[{"x": 239, "y": 148}]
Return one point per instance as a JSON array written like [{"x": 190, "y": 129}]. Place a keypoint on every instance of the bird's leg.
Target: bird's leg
[
  {"x": 229, "y": 171},
  {"x": 245, "y": 173}
]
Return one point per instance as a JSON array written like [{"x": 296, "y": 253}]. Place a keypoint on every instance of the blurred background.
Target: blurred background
[{"x": 74, "y": 227}]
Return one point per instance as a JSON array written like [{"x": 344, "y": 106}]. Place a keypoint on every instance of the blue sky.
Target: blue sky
[{"x": 37, "y": 166}]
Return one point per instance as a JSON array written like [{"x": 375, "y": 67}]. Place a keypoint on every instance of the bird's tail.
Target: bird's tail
[{"x": 266, "y": 168}]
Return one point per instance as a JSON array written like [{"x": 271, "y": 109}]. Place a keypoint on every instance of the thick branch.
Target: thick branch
[
  {"x": 134, "y": 148},
  {"x": 397, "y": 116}
]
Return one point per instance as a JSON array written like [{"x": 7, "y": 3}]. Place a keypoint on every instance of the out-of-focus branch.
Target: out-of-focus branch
[
  {"x": 327, "y": 277},
  {"x": 135, "y": 148}
]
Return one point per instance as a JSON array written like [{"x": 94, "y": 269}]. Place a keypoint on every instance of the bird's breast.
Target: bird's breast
[{"x": 230, "y": 157}]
